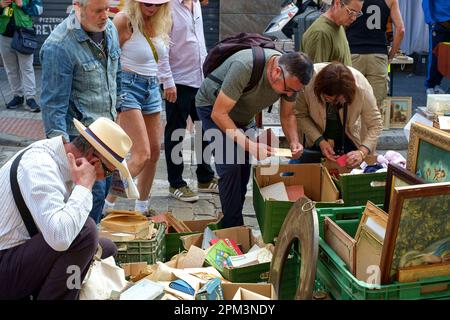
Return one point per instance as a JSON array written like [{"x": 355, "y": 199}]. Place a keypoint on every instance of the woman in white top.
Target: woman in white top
[{"x": 143, "y": 27}]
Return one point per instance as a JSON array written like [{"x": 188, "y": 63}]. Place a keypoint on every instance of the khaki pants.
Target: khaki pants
[{"x": 375, "y": 68}]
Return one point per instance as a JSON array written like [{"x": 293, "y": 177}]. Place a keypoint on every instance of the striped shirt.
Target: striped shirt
[
  {"x": 45, "y": 183},
  {"x": 187, "y": 49}
]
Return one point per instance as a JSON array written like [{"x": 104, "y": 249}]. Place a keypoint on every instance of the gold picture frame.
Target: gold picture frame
[
  {"x": 385, "y": 111},
  {"x": 429, "y": 153},
  {"x": 417, "y": 227},
  {"x": 400, "y": 111}
]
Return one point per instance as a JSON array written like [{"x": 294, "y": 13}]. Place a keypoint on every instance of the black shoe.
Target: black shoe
[
  {"x": 32, "y": 105},
  {"x": 15, "y": 103}
]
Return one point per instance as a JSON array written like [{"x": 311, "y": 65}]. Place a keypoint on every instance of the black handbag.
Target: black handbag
[{"x": 24, "y": 40}]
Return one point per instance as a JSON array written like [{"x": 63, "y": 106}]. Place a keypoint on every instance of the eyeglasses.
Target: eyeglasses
[
  {"x": 352, "y": 13},
  {"x": 148, "y": 5},
  {"x": 286, "y": 89},
  {"x": 106, "y": 172}
]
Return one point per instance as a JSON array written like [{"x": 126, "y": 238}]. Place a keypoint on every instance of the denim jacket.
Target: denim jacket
[{"x": 75, "y": 83}]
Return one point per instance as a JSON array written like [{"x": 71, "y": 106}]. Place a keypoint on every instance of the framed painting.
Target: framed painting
[
  {"x": 401, "y": 108},
  {"x": 429, "y": 153},
  {"x": 418, "y": 229},
  {"x": 398, "y": 177},
  {"x": 385, "y": 110},
  {"x": 369, "y": 242}
]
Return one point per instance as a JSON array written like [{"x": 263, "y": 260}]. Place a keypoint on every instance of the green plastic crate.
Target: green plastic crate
[
  {"x": 149, "y": 251},
  {"x": 334, "y": 276},
  {"x": 271, "y": 214},
  {"x": 356, "y": 189}
]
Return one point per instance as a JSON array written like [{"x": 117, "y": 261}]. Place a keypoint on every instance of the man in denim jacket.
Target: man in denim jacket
[{"x": 81, "y": 76}]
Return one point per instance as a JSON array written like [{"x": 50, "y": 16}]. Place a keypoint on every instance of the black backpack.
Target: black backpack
[{"x": 222, "y": 50}]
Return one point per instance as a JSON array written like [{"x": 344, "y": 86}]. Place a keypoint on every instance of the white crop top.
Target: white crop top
[{"x": 137, "y": 55}]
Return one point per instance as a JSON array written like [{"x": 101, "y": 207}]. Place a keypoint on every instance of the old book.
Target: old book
[
  {"x": 145, "y": 233},
  {"x": 276, "y": 191},
  {"x": 125, "y": 221},
  {"x": 341, "y": 243},
  {"x": 413, "y": 274},
  {"x": 282, "y": 152},
  {"x": 178, "y": 225},
  {"x": 295, "y": 192}
]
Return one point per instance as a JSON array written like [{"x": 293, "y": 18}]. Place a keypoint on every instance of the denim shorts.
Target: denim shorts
[{"x": 140, "y": 92}]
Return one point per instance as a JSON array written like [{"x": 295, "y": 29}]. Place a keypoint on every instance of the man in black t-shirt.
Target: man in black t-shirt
[{"x": 368, "y": 43}]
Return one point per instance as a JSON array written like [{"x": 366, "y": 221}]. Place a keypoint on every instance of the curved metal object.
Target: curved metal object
[{"x": 301, "y": 225}]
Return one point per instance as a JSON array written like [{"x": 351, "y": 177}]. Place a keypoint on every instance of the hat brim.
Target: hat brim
[
  {"x": 121, "y": 166},
  {"x": 153, "y": 1}
]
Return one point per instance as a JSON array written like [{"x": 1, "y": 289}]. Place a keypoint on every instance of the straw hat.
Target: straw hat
[
  {"x": 153, "y": 1},
  {"x": 109, "y": 139}
]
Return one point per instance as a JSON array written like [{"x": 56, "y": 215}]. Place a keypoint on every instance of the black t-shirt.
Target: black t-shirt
[
  {"x": 99, "y": 39},
  {"x": 368, "y": 33}
]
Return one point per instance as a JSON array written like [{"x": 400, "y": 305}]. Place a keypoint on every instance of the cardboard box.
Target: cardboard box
[
  {"x": 357, "y": 189},
  {"x": 244, "y": 238},
  {"x": 173, "y": 242},
  {"x": 264, "y": 289},
  {"x": 244, "y": 294},
  {"x": 317, "y": 184}
]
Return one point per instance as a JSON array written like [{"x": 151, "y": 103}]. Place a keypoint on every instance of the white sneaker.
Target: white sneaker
[
  {"x": 438, "y": 90},
  {"x": 430, "y": 91}
]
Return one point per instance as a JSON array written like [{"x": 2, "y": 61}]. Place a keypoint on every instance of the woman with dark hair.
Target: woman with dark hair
[{"x": 337, "y": 114}]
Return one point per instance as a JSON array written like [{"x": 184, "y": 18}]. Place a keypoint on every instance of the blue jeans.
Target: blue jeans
[
  {"x": 233, "y": 177},
  {"x": 99, "y": 193},
  {"x": 140, "y": 92},
  {"x": 438, "y": 34}
]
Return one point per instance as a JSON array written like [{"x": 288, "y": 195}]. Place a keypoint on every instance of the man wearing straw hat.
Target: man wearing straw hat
[{"x": 45, "y": 228}]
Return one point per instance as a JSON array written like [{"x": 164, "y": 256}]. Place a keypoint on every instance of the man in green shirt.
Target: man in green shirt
[
  {"x": 226, "y": 109},
  {"x": 325, "y": 39}
]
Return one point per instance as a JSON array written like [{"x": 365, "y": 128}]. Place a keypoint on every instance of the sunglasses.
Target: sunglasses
[{"x": 148, "y": 5}]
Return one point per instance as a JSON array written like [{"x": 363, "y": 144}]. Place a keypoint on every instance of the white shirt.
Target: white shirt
[
  {"x": 44, "y": 180},
  {"x": 187, "y": 50}
]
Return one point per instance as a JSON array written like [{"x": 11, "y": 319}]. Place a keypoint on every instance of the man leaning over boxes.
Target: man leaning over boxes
[
  {"x": 228, "y": 109},
  {"x": 51, "y": 236}
]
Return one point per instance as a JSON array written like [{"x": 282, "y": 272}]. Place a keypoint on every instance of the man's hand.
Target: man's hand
[
  {"x": 260, "y": 151},
  {"x": 170, "y": 94},
  {"x": 5, "y": 3},
  {"x": 19, "y": 3},
  {"x": 297, "y": 149},
  {"x": 81, "y": 171},
  {"x": 327, "y": 150}
]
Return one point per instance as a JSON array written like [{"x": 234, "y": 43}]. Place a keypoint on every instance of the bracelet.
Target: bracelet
[{"x": 363, "y": 155}]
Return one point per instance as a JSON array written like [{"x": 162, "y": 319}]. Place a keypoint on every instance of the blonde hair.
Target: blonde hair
[{"x": 161, "y": 22}]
